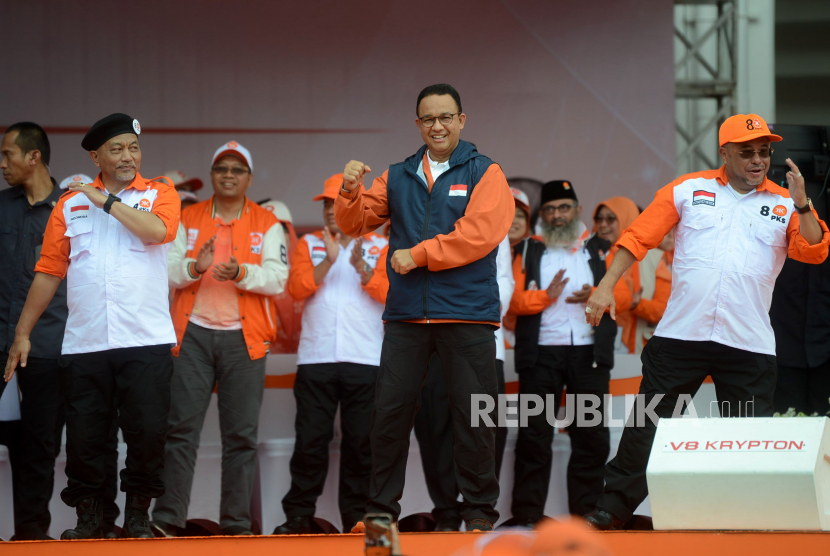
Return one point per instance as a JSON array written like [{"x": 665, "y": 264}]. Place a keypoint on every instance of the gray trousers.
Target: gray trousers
[{"x": 208, "y": 358}]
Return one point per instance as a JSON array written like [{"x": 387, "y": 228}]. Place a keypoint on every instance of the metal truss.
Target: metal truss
[{"x": 705, "y": 78}]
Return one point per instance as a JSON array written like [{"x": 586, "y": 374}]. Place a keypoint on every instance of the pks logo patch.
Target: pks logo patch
[
  {"x": 375, "y": 250},
  {"x": 458, "y": 191},
  {"x": 192, "y": 235},
  {"x": 256, "y": 243},
  {"x": 780, "y": 210},
  {"x": 137, "y": 127},
  {"x": 701, "y": 197},
  {"x": 144, "y": 203}
]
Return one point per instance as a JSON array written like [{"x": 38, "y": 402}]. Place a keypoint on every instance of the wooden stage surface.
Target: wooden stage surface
[{"x": 619, "y": 543}]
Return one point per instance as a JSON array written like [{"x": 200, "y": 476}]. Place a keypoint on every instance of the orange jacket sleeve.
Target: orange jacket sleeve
[
  {"x": 378, "y": 284},
  {"x": 54, "y": 254},
  {"x": 362, "y": 211},
  {"x": 301, "y": 276},
  {"x": 168, "y": 207},
  {"x": 649, "y": 229},
  {"x": 526, "y": 302},
  {"x": 802, "y": 251},
  {"x": 486, "y": 221}
]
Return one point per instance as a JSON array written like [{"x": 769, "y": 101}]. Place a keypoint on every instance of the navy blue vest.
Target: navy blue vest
[{"x": 469, "y": 292}]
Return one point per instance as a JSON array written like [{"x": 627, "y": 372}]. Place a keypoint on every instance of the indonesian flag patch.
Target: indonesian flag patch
[
  {"x": 458, "y": 191},
  {"x": 701, "y": 197}
]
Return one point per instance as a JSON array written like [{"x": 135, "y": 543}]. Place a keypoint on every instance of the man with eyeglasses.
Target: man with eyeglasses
[
  {"x": 734, "y": 230},
  {"x": 556, "y": 349},
  {"x": 449, "y": 208},
  {"x": 228, "y": 259}
]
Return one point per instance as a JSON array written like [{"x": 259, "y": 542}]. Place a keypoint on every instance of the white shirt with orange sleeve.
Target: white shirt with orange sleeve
[
  {"x": 116, "y": 284},
  {"x": 342, "y": 318},
  {"x": 729, "y": 250}
]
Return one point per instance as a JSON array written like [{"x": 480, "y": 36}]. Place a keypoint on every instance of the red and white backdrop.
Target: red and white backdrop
[{"x": 552, "y": 90}]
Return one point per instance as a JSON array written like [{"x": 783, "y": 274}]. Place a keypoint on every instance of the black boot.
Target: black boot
[
  {"x": 136, "y": 518},
  {"x": 90, "y": 516},
  {"x": 603, "y": 520},
  {"x": 299, "y": 525}
]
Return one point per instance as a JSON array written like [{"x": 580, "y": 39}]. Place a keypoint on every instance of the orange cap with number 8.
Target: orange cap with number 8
[{"x": 744, "y": 127}]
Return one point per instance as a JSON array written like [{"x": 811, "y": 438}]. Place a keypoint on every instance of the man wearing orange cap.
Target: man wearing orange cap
[
  {"x": 228, "y": 259},
  {"x": 449, "y": 207},
  {"x": 734, "y": 230},
  {"x": 343, "y": 282}
]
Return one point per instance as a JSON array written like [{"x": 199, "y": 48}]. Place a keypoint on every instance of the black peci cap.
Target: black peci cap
[
  {"x": 557, "y": 189},
  {"x": 106, "y": 128}
]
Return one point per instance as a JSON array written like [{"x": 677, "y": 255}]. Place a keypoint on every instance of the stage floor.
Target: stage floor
[{"x": 620, "y": 543}]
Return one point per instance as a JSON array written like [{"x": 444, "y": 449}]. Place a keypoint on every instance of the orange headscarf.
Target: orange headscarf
[{"x": 626, "y": 212}]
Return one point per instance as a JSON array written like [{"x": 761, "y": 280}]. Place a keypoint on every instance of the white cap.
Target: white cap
[
  {"x": 234, "y": 148},
  {"x": 83, "y": 178},
  {"x": 279, "y": 209},
  {"x": 521, "y": 197},
  {"x": 180, "y": 179},
  {"x": 185, "y": 195}
]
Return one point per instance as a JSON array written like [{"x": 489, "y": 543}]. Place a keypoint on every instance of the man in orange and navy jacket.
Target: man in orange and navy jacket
[
  {"x": 228, "y": 259},
  {"x": 343, "y": 283},
  {"x": 449, "y": 207}
]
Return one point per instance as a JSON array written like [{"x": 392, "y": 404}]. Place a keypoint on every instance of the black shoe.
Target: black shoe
[
  {"x": 479, "y": 525},
  {"x": 163, "y": 529},
  {"x": 448, "y": 524},
  {"x": 136, "y": 518},
  {"x": 90, "y": 517},
  {"x": 602, "y": 520},
  {"x": 300, "y": 525},
  {"x": 236, "y": 531},
  {"x": 108, "y": 530}
]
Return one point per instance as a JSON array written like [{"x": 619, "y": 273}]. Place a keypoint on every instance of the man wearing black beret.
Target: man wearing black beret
[
  {"x": 556, "y": 349},
  {"x": 116, "y": 233}
]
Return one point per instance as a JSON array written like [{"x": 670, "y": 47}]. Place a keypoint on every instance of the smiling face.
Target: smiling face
[
  {"x": 518, "y": 229},
  {"x": 608, "y": 227},
  {"x": 440, "y": 138},
  {"x": 745, "y": 174},
  {"x": 230, "y": 177},
  {"x": 119, "y": 158}
]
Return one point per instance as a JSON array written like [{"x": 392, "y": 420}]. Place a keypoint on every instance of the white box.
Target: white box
[{"x": 741, "y": 474}]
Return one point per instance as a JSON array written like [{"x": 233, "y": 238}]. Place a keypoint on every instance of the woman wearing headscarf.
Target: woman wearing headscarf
[{"x": 611, "y": 217}]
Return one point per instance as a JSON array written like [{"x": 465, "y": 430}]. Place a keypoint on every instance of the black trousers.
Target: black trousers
[
  {"x": 433, "y": 430},
  {"x": 468, "y": 355},
  {"x": 10, "y": 438},
  {"x": 806, "y": 390},
  {"x": 558, "y": 368},
  {"x": 135, "y": 382},
  {"x": 318, "y": 390},
  {"x": 671, "y": 368},
  {"x": 41, "y": 426}
]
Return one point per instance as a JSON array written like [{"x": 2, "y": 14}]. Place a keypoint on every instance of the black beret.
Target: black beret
[
  {"x": 106, "y": 128},
  {"x": 558, "y": 189}
]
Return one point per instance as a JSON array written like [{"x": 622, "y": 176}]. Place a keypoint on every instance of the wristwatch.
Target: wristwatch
[
  {"x": 110, "y": 200},
  {"x": 806, "y": 208},
  {"x": 366, "y": 269}
]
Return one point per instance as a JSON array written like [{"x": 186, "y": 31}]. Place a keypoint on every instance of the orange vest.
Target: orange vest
[{"x": 255, "y": 312}]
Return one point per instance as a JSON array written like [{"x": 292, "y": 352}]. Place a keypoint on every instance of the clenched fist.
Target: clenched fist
[{"x": 353, "y": 174}]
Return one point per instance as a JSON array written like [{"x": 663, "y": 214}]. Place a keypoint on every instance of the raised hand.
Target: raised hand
[
  {"x": 226, "y": 271},
  {"x": 332, "y": 245},
  {"x": 580, "y": 296},
  {"x": 353, "y": 174},
  {"x": 557, "y": 285},
  {"x": 95, "y": 196},
  {"x": 205, "y": 257},
  {"x": 796, "y": 184},
  {"x": 356, "y": 259}
]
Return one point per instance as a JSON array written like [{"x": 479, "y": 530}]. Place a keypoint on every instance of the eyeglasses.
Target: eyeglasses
[
  {"x": 746, "y": 154},
  {"x": 609, "y": 219},
  {"x": 562, "y": 209},
  {"x": 445, "y": 119},
  {"x": 235, "y": 170}
]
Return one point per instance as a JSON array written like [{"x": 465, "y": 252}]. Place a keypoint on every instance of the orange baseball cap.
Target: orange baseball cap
[
  {"x": 744, "y": 127},
  {"x": 331, "y": 188}
]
